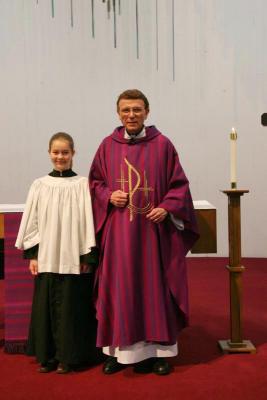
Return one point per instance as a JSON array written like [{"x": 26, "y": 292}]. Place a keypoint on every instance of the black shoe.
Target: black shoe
[
  {"x": 48, "y": 366},
  {"x": 161, "y": 367},
  {"x": 63, "y": 368},
  {"x": 145, "y": 366},
  {"x": 111, "y": 366}
]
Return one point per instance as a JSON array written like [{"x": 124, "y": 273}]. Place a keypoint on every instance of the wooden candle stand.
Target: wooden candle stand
[{"x": 236, "y": 344}]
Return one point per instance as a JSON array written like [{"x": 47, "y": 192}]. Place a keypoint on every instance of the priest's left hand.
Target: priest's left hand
[{"x": 157, "y": 215}]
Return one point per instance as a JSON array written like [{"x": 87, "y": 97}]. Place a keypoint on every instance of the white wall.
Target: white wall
[{"x": 57, "y": 77}]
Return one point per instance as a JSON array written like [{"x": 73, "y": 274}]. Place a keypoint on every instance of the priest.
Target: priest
[{"x": 145, "y": 225}]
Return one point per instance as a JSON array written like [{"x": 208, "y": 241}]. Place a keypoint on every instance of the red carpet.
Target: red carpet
[{"x": 200, "y": 371}]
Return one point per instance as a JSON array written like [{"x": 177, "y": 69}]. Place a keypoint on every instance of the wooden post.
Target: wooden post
[{"x": 235, "y": 344}]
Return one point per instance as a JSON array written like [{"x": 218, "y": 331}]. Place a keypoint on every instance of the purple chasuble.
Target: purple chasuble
[{"x": 142, "y": 279}]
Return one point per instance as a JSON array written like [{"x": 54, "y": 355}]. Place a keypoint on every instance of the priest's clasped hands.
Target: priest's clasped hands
[{"x": 120, "y": 199}]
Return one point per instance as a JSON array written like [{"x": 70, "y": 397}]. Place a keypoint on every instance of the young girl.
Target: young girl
[{"x": 57, "y": 235}]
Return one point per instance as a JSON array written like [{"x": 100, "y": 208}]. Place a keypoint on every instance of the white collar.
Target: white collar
[{"x": 138, "y": 136}]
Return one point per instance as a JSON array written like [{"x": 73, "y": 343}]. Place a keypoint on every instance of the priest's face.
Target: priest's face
[
  {"x": 132, "y": 113},
  {"x": 61, "y": 155}
]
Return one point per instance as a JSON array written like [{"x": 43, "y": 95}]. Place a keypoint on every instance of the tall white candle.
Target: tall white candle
[{"x": 233, "y": 139}]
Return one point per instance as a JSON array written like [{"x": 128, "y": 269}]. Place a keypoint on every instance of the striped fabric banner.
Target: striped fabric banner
[
  {"x": 18, "y": 289},
  {"x": 1, "y": 246}
]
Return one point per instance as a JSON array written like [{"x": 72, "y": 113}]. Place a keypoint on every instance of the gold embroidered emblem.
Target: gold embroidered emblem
[{"x": 134, "y": 187}]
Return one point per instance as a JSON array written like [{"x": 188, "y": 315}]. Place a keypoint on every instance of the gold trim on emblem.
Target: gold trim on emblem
[{"x": 132, "y": 189}]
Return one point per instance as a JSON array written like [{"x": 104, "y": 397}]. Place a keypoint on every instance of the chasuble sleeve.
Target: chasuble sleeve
[
  {"x": 28, "y": 235},
  {"x": 178, "y": 201},
  {"x": 100, "y": 192}
]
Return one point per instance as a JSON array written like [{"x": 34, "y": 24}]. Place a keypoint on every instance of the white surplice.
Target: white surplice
[
  {"x": 58, "y": 217},
  {"x": 140, "y": 351}
]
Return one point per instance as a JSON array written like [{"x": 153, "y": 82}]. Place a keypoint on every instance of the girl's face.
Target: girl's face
[{"x": 61, "y": 155}]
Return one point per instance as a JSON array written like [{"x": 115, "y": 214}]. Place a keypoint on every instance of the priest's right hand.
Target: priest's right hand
[
  {"x": 119, "y": 198},
  {"x": 33, "y": 267}
]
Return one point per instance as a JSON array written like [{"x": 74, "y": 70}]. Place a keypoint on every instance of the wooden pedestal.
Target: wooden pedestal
[{"x": 236, "y": 344}]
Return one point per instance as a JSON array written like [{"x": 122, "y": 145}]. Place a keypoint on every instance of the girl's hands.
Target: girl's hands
[
  {"x": 33, "y": 267},
  {"x": 85, "y": 268}
]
